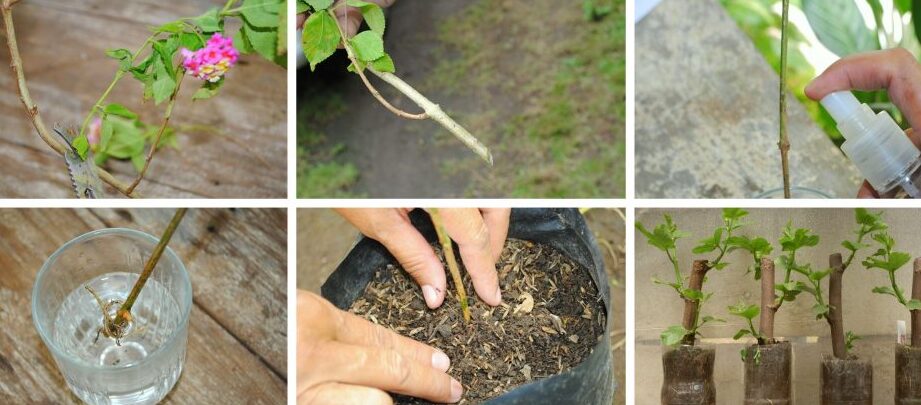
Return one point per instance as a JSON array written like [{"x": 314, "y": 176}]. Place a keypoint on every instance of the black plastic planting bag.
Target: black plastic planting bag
[{"x": 590, "y": 382}]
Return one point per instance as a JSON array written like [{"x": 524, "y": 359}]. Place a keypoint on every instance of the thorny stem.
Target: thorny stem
[
  {"x": 123, "y": 316},
  {"x": 448, "y": 250},
  {"x": 153, "y": 147},
  {"x": 431, "y": 110},
  {"x": 784, "y": 143},
  {"x": 31, "y": 109}
]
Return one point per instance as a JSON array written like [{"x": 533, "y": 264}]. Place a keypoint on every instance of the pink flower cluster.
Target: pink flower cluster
[{"x": 211, "y": 62}]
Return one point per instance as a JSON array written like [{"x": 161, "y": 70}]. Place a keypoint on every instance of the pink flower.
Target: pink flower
[
  {"x": 94, "y": 132},
  {"x": 211, "y": 62}
]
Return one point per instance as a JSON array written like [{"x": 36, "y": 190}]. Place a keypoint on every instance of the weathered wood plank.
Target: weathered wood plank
[
  {"x": 235, "y": 335},
  {"x": 231, "y": 146}
]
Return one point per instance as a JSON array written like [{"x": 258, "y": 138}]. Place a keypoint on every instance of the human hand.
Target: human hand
[
  {"x": 344, "y": 359},
  {"x": 895, "y": 70},
  {"x": 349, "y": 17},
  {"x": 479, "y": 233}
]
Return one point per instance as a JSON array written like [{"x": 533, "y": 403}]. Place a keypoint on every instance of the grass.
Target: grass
[
  {"x": 560, "y": 75},
  {"x": 318, "y": 172}
]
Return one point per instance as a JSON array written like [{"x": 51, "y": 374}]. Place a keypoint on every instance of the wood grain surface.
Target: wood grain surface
[
  {"x": 231, "y": 146},
  {"x": 236, "y": 260}
]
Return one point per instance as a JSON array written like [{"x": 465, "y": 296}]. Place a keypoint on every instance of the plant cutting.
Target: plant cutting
[
  {"x": 907, "y": 354},
  {"x": 545, "y": 344},
  {"x": 688, "y": 368},
  {"x": 200, "y": 47},
  {"x": 322, "y": 35}
]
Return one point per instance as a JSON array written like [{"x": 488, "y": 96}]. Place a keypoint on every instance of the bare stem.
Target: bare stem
[
  {"x": 31, "y": 109},
  {"x": 431, "y": 110},
  {"x": 448, "y": 250},
  {"x": 784, "y": 143},
  {"x": 153, "y": 147},
  {"x": 124, "y": 313},
  {"x": 835, "y": 316},
  {"x": 916, "y": 314},
  {"x": 768, "y": 298}
]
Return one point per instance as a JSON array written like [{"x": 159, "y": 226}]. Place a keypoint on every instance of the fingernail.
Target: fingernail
[
  {"x": 440, "y": 361},
  {"x": 431, "y": 297},
  {"x": 498, "y": 295},
  {"x": 456, "y": 391}
]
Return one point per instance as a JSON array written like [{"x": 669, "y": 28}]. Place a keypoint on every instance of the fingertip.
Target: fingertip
[
  {"x": 457, "y": 391},
  {"x": 433, "y": 296},
  {"x": 440, "y": 361}
]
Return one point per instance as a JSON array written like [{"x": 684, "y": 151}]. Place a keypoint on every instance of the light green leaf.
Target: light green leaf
[
  {"x": 208, "y": 90},
  {"x": 384, "y": 64},
  {"x": 82, "y": 145},
  {"x": 839, "y": 26},
  {"x": 673, "y": 335},
  {"x": 320, "y": 38},
  {"x": 119, "y": 110},
  {"x": 368, "y": 46},
  {"x": 914, "y": 305},
  {"x": 209, "y": 21},
  {"x": 123, "y": 56},
  {"x": 372, "y": 14},
  {"x": 319, "y": 5},
  {"x": 260, "y": 13},
  {"x": 744, "y": 310},
  {"x": 741, "y": 333}
]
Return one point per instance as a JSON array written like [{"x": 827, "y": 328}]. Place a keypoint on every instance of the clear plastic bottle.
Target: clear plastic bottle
[{"x": 876, "y": 145}]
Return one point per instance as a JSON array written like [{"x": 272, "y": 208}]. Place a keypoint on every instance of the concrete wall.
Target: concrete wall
[{"x": 870, "y": 315}]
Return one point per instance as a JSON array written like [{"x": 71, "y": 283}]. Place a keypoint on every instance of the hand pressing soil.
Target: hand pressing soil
[{"x": 549, "y": 321}]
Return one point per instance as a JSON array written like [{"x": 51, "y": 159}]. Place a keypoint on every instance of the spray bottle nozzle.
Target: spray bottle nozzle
[{"x": 841, "y": 105}]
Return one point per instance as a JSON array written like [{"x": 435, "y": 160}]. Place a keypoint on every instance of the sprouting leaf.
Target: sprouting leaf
[
  {"x": 320, "y": 38},
  {"x": 869, "y": 221},
  {"x": 820, "y": 310},
  {"x": 893, "y": 263},
  {"x": 372, "y": 14},
  {"x": 676, "y": 286},
  {"x": 914, "y": 305},
  {"x": 123, "y": 56},
  {"x": 884, "y": 291},
  {"x": 741, "y": 333},
  {"x": 708, "y": 318},
  {"x": 319, "y": 5},
  {"x": 819, "y": 275},
  {"x": 744, "y": 310},
  {"x": 733, "y": 213},
  {"x": 663, "y": 236},
  {"x": 368, "y": 46},
  {"x": 673, "y": 335},
  {"x": 692, "y": 294},
  {"x": 119, "y": 110},
  {"x": 794, "y": 239},
  {"x": 849, "y": 339},
  {"x": 709, "y": 244}
]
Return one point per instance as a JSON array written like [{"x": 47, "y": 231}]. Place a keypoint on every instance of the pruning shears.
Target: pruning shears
[{"x": 83, "y": 177}]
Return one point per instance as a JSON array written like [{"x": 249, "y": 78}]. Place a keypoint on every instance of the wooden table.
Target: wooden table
[
  {"x": 707, "y": 114},
  {"x": 237, "y": 336},
  {"x": 231, "y": 146}
]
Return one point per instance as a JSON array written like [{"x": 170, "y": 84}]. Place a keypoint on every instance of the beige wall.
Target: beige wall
[{"x": 870, "y": 315}]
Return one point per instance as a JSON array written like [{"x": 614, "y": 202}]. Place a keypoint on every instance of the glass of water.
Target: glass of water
[{"x": 144, "y": 366}]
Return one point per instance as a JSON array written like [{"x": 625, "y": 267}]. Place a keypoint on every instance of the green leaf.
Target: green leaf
[
  {"x": 119, "y": 110},
  {"x": 732, "y": 214},
  {"x": 663, "y": 236},
  {"x": 839, "y": 26},
  {"x": 121, "y": 137},
  {"x": 164, "y": 85},
  {"x": 692, "y": 294},
  {"x": 372, "y": 14},
  {"x": 884, "y": 291},
  {"x": 123, "y": 56},
  {"x": 209, "y": 22},
  {"x": 794, "y": 239},
  {"x": 915, "y": 10},
  {"x": 263, "y": 41},
  {"x": 819, "y": 310},
  {"x": 384, "y": 64},
  {"x": 320, "y": 38},
  {"x": 208, "y": 90},
  {"x": 819, "y": 275},
  {"x": 849, "y": 339},
  {"x": 302, "y": 6},
  {"x": 709, "y": 244},
  {"x": 895, "y": 261},
  {"x": 744, "y": 310},
  {"x": 740, "y": 334},
  {"x": 260, "y": 13},
  {"x": 673, "y": 335},
  {"x": 191, "y": 41},
  {"x": 82, "y": 145},
  {"x": 676, "y": 286},
  {"x": 368, "y": 46},
  {"x": 319, "y": 5},
  {"x": 171, "y": 27},
  {"x": 914, "y": 305}
]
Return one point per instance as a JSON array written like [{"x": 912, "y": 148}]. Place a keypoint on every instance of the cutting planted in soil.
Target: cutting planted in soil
[{"x": 550, "y": 319}]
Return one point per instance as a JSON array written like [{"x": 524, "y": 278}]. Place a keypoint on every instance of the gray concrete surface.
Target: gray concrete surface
[
  {"x": 707, "y": 113},
  {"x": 870, "y": 315}
]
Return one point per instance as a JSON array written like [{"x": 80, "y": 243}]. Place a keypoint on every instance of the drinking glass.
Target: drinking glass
[{"x": 145, "y": 364}]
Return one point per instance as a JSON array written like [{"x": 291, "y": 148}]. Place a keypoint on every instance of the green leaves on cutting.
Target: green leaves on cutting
[
  {"x": 849, "y": 339},
  {"x": 758, "y": 248},
  {"x": 320, "y": 38},
  {"x": 372, "y": 14},
  {"x": 123, "y": 56},
  {"x": 709, "y": 244},
  {"x": 663, "y": 236},
  {"x": 795, "y": 239},
  {"x": 744, "y": 310},
  {"x": 368, "y": 46},
  {"x": 263, "y": 30},
  {"x": 674, "y": 335}
]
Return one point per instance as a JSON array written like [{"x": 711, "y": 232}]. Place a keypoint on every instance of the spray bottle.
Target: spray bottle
[{"x": 876, "y": 145}]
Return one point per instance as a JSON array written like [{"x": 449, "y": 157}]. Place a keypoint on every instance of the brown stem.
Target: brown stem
[
  {"x": 784, "y": 143},
  {"x": 153, "y": 148},
  {"x": 916, "y": 314},
  {"x": 692, "y": 307},
  {"x": 124, "y": 313},
  {"x": 768, "y": 299},
  {"x": 31, "y": 108},
  {"x": 835, "y": 307}
]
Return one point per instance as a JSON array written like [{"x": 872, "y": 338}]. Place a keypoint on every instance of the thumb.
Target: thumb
[{"x": 416, "y": 256}]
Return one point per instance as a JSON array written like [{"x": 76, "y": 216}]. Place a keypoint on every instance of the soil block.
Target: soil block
[
  {"x": 907, "y": 375},
  {"x": 767, "y": 374},
  {"x": 846, "y": 382},
  {"x": 688, "y": 376},
  {"x": 546, "y": 344}
]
